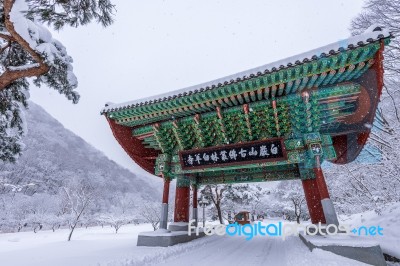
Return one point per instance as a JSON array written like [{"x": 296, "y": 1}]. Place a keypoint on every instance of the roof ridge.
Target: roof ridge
[{"x": 373, "y": 34}]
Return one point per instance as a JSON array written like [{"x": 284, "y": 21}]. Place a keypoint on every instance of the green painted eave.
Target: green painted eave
[{"x": 324, "y": 71}]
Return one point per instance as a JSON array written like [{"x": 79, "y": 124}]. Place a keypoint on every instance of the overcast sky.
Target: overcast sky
[{"x": 157, "y": 46}]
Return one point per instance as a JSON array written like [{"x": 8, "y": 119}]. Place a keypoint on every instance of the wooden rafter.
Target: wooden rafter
[
  {"x": 198, "y": 131},
  {"x": 221, "y": 124}
]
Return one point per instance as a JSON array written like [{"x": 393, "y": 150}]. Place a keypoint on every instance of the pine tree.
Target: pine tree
[{"x": 28, "y": 50}]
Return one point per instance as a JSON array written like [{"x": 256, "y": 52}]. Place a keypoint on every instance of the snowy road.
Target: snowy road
[
  {"x": 99, "y": 246},
  {"x": 231, "y": 250},
  {"x": 258, "y": 251}
]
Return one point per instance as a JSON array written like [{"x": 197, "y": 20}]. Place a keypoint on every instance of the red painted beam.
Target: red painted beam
[{"x": 133, "y": 146}]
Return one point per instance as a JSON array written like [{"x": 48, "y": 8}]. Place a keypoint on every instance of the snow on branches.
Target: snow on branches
[
  {"x": 12, "y": 120},
  {"x": 27, "y": 49},
  {"x": 41, "y": 55}
]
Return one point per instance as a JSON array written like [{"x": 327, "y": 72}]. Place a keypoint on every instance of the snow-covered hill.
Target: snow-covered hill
[{"x": 56, "y": 158}]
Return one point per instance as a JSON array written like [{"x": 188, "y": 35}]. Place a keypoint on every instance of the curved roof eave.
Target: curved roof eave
[{"x": 355, "y": 41}]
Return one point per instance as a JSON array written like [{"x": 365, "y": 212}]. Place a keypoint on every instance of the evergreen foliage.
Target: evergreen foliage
[{"x": 27, "y": 49}]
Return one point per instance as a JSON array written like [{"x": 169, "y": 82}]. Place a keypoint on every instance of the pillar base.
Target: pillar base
[
  {"x": 164, "y": 238},
  {"x": 366, "y": 251},
  {"x": 329, "y": 212},
  {"x": 178, "y": 226},
  {"x": 195, "y": 216},
  {"x": 164, "y": 216}
]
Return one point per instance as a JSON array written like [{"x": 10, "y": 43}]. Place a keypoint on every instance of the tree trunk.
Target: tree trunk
[
  {"x": 219, "y": 213},
  {"x": 70, "y": 233}
]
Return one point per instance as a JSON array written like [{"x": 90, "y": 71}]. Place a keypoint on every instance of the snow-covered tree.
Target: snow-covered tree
[
  {"x": 78, "y": 196},
  {"x": 215, "y": 194},
  {"x": 291, "y": 200},
  {"x": 115, "y": 220},
  {"x": 150, "y": 212},
  {"x": 227, "y": 200},
  {"x": 372, "y": 181},
  {"x": 31, "y": 189},
  {"x": 27, "y": 49},
  {"x": 384, "y": 13},
  {"x": 241, "y": 197},
  {"x": 121, "y": 212}
]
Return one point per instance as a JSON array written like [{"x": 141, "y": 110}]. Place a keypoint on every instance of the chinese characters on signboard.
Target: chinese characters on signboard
[{"x": 269, "y": 150}]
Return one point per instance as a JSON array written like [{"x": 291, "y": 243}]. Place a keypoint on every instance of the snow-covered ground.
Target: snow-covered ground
[
  {"x": 258, "y": 251},
  {"x": 389, "y": 220},
  {"x": 101, "y": 246},
  {"x": 92, "y": 246}
]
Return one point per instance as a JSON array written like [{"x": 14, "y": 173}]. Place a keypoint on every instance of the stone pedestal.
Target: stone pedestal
[
  {"x": 178, "y": 226},
  {"x": 347, "y": 246},
  {"x": 166, "y": 238}
]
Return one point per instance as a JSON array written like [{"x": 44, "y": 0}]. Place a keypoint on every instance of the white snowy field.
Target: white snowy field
[
  {"x": 92, "y": 246},
  {"x": 389, "y": 220},
  {"x": 101, "y": 246}
]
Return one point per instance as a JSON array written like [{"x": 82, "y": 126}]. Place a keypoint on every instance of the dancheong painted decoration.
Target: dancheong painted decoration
[
  {"x": 279, "y": 121},
  {"x": 236, "y": 154}
]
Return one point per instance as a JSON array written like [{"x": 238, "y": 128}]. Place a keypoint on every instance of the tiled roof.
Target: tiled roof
[{"x": 374, "y": 34}]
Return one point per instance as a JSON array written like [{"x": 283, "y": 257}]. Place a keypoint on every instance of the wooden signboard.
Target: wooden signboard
[{"x": 242, "y": 153}]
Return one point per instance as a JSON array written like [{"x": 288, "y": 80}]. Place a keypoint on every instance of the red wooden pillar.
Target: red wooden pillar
[
  {"x": 312, "y": 191},
  {"x": 320, "y": 180},
  {"x": 326, "y": 202},
  {"x": 164, "y": 205},
  {"x": 315, "y": 190},
  {"x": 166, "y": 190},
  {"x": 182, "y": 199},
  {"x": 195, "y": 196},
  {"x": 313, "y": 199},
  {"x": 320, "y": 206}
]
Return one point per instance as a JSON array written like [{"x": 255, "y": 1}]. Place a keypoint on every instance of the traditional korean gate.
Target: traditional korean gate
[{"x": 276, "y": 122}]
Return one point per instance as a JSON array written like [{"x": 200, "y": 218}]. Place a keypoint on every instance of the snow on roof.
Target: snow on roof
[{"x": 372, "y": 34}]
